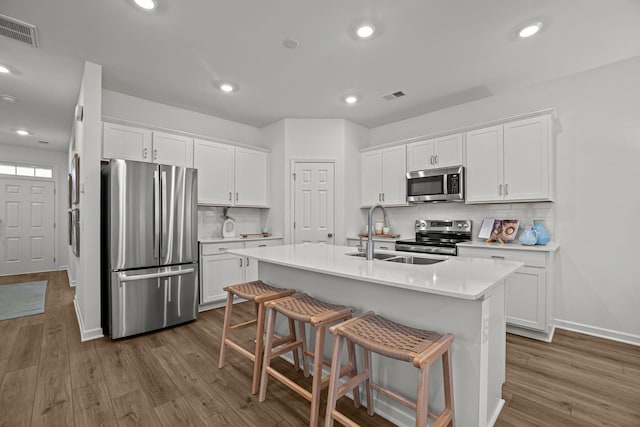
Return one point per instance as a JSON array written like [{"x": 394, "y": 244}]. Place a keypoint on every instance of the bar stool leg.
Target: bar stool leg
[
  {"x": 351, "y": 348},
  {"x": 305, "y": 348},
  {"x": 447, "y": 374},
  {"x": 333, "y": 381},
  {"x": 257, "y": 357},
  {"x": 271, "y": 322},
  {"x": 422, "y": 397},
  {"x": 317, "y": 374},
  {"x": 225, "y": 328},
  {"x": 367, "y": 382},
  {"x": 292, "y": 334}
]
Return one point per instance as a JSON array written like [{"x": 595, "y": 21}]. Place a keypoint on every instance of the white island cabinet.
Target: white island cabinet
[{"x": 463, "y": 296}]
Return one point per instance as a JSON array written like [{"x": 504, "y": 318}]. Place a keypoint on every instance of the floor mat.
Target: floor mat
[{"x": 22, "y": 299}]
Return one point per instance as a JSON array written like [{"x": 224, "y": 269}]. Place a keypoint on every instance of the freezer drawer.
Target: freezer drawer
[{"x": 153, "y": 298}]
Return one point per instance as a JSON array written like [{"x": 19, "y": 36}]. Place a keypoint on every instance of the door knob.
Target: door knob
[{"x": 330, "y": 235}]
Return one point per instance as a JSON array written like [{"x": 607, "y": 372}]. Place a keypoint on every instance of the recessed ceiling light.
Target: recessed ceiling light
[
  {"x": 4, "y": 70},
  {"x": 365, "y": 31},
  {"x": 350, "y": 99},
  {"x": 529, "y": 30},
  {"x": 22, "y": 132},
  {"x": 146, "y": 4},
  {"x": 291, "y": 43},
  {"x": 227, "y": 87},
  {"x": 8, "y": 98}
]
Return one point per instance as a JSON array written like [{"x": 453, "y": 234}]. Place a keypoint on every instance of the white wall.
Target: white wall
[
  {"x": 87, "y": 135},
  {"x": 160, "y": 116},
  {"x": 58, "y": 161},
  {"x": 273, "y": 136},
  {"x": 597, "y": 156}
]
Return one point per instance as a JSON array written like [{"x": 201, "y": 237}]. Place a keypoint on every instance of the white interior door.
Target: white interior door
[
  {"x": 314, "y": 202},
  {"x": 26, "y": 226}
]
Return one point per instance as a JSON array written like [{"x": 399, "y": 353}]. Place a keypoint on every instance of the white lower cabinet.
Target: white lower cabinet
[
  {"x": 219, "y": 269},
  {"x": 528, "y": 291}
]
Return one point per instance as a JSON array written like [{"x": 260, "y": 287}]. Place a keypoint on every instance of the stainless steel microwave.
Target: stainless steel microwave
[{"x": 436, "y": 185}]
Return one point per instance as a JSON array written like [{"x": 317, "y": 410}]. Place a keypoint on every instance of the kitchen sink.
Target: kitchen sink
[
  {"x": 376, "y": 256},
  {"x": 414, "y": 260}
]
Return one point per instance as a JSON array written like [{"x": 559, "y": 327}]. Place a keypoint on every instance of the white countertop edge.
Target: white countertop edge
[
  {"x": 549, "y": 247},
  {"x": 435, "y": 291},
  {"x": 236, "y": 239},
  {"x": 376, "y": 239}
]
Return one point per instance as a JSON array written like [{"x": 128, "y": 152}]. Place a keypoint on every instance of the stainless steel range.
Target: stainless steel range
[{"x": 437, "y": 236}]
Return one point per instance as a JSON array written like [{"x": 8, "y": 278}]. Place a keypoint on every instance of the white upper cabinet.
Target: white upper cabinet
[
  {"x": 172, "y": 149},
  {"x": 383, "y": 177},
  {"x": 215, "y": 172},
  {"x": 126, "y": 142},
  {"x": 250, "y": 177},
  {"x": 230, "y": 176},
  {"x": 144, "y": 145},
  {"x": 510, "y": 162},
  {"x": 441, "y": 152}
]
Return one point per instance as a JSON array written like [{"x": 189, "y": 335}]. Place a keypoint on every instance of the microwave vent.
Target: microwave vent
[
  {"x": 394, "y": 95},
  {"x": 18, "y": 30}
]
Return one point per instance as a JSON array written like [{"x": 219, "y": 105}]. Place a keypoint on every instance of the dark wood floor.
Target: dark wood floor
[{"x": 170, "y": 378}]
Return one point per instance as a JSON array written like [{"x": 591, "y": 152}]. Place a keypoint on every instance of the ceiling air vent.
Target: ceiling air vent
[
  {"x": 43, "y": 142},
  {"x": 394, "y": 95},
  {"x": 18, "y": 30}
]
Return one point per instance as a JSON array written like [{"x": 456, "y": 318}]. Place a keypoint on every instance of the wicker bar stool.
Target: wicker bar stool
[
  {"x": 319, "y": 314},
  {"x": 376, "y": 334},
  {"x": 258, "y": 292}
]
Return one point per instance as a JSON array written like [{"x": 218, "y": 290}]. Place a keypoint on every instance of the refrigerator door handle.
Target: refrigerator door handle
[
  {"x": 123, "y": 277},
  {"x": 156, "y": 215},
  {"x": 163, "y": 196}
]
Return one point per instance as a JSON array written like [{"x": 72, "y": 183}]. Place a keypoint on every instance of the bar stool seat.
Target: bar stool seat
[
  {"x": 319, "y": 314},
  {"x": 258, "y": 292},
  {"x": 377, "y": 334}
]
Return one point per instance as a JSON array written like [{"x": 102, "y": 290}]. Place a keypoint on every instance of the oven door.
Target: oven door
[{"x": 436, "y": 185}]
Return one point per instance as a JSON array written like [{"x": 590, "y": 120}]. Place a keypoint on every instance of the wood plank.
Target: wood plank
[
  {"x": 9, "y": 330},
  {"x": 92, "y": 405},
  {"x": 117, "y": 370},
  {"x": 177, "y": 412},
  {"x": 85, "y": 368},
  {"x": 26, "y": 348},
  {"x": 16, "y": 396},
  {"x": 133, "y": 409},
  {"x": 53, "y": 404},
  {"x": 54, "y": 356}
]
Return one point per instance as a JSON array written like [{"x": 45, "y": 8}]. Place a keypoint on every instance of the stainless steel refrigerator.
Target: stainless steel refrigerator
[{"x": 149, "y": 246}]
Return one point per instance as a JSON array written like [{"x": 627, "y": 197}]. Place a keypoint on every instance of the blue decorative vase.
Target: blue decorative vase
[
  {"x": 543, "y": 236},
  {"x": 529, "y": 236}
]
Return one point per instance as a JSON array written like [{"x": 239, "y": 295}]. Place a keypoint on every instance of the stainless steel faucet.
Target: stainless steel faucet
[{"x": 370, "y": 228}]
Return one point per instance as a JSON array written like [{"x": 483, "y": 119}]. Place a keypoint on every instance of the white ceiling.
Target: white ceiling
[{"x": 440, "y": 53}]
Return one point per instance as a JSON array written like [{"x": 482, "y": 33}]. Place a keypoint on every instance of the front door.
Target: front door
[
  {"x": 314, "y": 202},
  {"x": 26, "y": 226}
]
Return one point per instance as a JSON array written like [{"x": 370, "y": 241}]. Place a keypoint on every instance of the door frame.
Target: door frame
[
  {"x": 338, "y": 221},
  {"x": 55, "y": 205}
]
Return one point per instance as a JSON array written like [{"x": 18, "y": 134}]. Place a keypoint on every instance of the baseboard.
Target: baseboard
[
  {"x": 529, "y": 333},
  {"x": 72, "y": 282},
  {"x": 63, "y": 267},
  {"x": 598, "y": 332},
  {"x": 86, "y": 335},
  {"x": 496, "y": 413}
]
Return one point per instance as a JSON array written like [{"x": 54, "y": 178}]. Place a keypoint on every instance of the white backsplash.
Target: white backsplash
[
  {"x": 210, "y": 221},
  {"x": 402, "y": 219}
]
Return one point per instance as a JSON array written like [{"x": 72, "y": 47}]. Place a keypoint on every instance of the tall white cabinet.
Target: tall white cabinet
[
  {"x": 231, "y": 176},
  {"x": 510, "y": 162},
  {"x": 383, "y": 176}
]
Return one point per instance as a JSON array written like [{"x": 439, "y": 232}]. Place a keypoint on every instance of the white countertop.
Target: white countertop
[
  {"x": 376, "y": 238},
  {"x": 236, "y": 239},
  {"x": 549, "y": 247},
  {"x": 458, "y": 277}
]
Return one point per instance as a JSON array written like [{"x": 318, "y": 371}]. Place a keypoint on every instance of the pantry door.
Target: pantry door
[
  {"x": 26, "y": 226},
  {"x": 314, "y": 202}
]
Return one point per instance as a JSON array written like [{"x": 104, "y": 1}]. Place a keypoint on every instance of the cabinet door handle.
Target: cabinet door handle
[
  {"x": 247, "y": 262},
  {"x": 384, "y": 247},
  {"x": 506, "y": 189},
  {"x": 431, "y": 160},
  {"x": 500, "y": 189},
  {"x": 240, "y": 262},
  {"x": 497, "y": 257},
  {"x": 436, "y": 159},
  {"x": 383, "y": 197},
  {"x": 155, "y": 154},
  {"x": 262, "y": 246},
  {"x": 236, "y": 197},
  {"x": 145, "y": 152},
  {"x": 222, "y": 249},
  {"x": 229, "y": 195}
]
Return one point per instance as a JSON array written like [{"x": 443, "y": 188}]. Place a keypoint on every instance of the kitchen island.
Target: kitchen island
[{"x": 464, "y": 296}]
